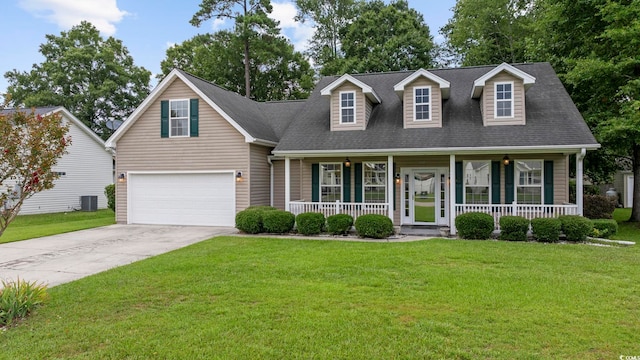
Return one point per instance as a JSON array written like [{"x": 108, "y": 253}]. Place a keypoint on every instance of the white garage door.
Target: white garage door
[{"x": 182, "y": 199}]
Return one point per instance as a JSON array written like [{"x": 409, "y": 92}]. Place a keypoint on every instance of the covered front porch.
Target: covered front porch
[{"x": 427, "y": 190}]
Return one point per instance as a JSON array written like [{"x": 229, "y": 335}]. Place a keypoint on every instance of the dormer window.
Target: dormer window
[
  {"x": 504, "y": 99},
  {"x": 347, "y": 107},
  {"x": 422, "y": 103}
]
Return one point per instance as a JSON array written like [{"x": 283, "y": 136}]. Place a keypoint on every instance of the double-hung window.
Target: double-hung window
[
  {"x": 179, "y": 118},
  {"x": 330, "y": 182},
  {"x": 477, "y": 181},
  {"x": 529, "y": 181},
  {"x": 348, "y": 107},
  {"x": 504, "y": 99},
  {"x": 375, "y": 182},
  {"x": 422, "y": 105}
]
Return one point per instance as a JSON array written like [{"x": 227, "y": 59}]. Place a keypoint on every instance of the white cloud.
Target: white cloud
[
  {"x": 217, "y": 24},
  {"x": 103, "y": 14},
  {"x": 170, "y": 44},
  {"x": 299, "y": 33}
]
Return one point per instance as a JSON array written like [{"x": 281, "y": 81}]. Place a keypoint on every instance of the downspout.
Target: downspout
[
  {"x": 580, "y": 180},
  {"x": 271, "y": 178}
]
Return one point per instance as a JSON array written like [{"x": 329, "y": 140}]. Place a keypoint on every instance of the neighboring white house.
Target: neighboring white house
[{"x": 85, "y": 170}]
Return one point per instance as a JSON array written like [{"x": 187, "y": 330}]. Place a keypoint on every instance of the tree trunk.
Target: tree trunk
[
  {"x": 247, "y": 73},
  {"x": 635, "y": 210}
]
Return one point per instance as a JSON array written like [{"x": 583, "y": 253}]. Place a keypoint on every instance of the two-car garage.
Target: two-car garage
[{"x": 181, "y": 198}]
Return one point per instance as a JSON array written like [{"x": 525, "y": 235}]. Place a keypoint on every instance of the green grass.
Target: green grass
[
  {"x": 33, "y": 226},
  {"x": 626, "y": 230},
  {"x": 257, "y": 298}
]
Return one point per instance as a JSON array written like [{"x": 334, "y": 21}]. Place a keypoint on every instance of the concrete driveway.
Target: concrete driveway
[{"x": 58, "y": 259}]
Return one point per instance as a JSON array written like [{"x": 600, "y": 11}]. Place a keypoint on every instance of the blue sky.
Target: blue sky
[{"x": 146, "y": 27}]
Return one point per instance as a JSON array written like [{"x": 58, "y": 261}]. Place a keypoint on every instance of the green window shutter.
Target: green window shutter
[
  {"x": 358, "y": 181},
  {"x": 495, "y": 182},
  {"x": 346, "y": 184},
  {"x": 193, "y": 118},
  {"x": 315, "y": 182},
  {"x": 459, "y": 188},
  {"x": 164, "y": 118},
  {"x": 395, "y": 188},
  {"x": 548, "y": 181},
  {"x": 508, "y": 183}
]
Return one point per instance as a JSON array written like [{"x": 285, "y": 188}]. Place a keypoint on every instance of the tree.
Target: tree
[
  {"x": 330, "y": 17},
  {"x": 30, "y": 147},
  {"x": 93, "y": 78},
  {"x": 251, "y": 17},
  {"x": 277, "y": 71},
  {"x": 605, "y": 84},
  {"x": 489, "y": 31},
  {"x": 385, "y": 38}
]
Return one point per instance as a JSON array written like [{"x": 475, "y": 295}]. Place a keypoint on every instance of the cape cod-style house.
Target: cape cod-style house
[{"x": 418, "y": 146}]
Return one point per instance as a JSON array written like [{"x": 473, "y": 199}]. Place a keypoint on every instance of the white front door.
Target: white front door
[{"x": 425, "y": 196}]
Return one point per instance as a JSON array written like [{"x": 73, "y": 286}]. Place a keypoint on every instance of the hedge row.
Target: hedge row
[
  {"x": 476, "y": 225},
  {"x": 266, "y": 219}
]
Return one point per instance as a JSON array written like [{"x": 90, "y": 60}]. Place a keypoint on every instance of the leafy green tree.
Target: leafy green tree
[
  {"x": 385, "y": 38},
  {"x": 331, "y": 17},
  {"x": 605, "y": 84},
  {"x": 250, "y": 16},
  {"x": 277, "y": 72},
  {"x": 489, "y": 31},
  {"x": 92, "y": 77},
  {"x": 30, "y": 147}
]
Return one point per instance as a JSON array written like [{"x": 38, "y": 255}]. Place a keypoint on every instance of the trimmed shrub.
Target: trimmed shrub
[
  {"x": 374, "y": 226},
  {"x": 513, "y": 228},
  {"x": 546, "y": 229},
  {"x": 604, "y": 228},
  {"x": 474, "y": 225},
  {"x": 110, "y": 193},
  {"x": 250, "y": 220},
  {"x": 310, "y": 223},
  {"x": 599, "y": 206},
  {"x": 278, "y": 221},
  {"x": 339, "y": 224},
  {"x": 19, "y": 298},
  {"x": 576, "y": 227}
]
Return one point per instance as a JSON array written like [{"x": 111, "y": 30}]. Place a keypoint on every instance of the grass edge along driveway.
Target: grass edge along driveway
[
  {"x": 237, "y": 297},
  {"x": 26, "y": 227}
]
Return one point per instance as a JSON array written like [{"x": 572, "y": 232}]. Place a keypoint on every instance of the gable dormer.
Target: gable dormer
[
  {"x": 502, "y": 95},
  {"x": 351, "y": 102},
  {"x": 422, "y": 93}
]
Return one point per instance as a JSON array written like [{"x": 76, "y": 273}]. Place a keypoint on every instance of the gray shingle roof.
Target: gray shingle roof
[
  {"x": 247, "y": 113},
  {"x": 551, "y": 118}
]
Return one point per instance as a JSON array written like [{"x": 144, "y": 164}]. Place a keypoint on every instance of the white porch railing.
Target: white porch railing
[
  {"x": 524, "y": 210},
  {"x": 330, "y": 208}
]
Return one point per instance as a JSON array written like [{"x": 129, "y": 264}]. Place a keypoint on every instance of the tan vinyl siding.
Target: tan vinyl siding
[
  {"x": 360, "y": 101},
  {"x": 278, "y": 183},
  {"x": 218, "y": 147},
  {"x": 436, "y": 104},
  {"x": 259, "y": 176},
  {"x": 488, "y": 101},
  {"x": 369, "y": 109}
]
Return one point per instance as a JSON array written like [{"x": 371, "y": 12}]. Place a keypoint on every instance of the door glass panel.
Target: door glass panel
[
  {"x": 443, "y": 192},
  {"x": 424, "y": 196}
]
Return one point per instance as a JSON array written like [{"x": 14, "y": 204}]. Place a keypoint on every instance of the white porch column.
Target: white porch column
[
  {"x": 287, "y": 183},
  {"x": 390, "y": 185},
  {"x": 452, "y": 194},
  {"x": 580, "y": 180}
]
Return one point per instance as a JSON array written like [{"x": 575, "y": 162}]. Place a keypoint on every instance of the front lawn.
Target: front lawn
[
  {"x": 33, "y": 226},
  {"x": 253, "y": 298}
]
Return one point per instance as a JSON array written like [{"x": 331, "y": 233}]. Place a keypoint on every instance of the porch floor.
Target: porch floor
[{"x": 420, "y": 230}]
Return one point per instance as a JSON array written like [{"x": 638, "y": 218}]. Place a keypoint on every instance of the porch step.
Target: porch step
[{"x": 420, "y": 230}]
